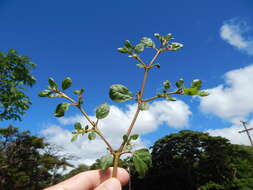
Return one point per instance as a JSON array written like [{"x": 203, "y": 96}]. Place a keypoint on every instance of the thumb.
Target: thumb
[{"x": 110, "y": 184}]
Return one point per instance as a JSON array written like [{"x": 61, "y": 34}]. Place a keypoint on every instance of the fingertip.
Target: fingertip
[{"x": 123, "y": 176}]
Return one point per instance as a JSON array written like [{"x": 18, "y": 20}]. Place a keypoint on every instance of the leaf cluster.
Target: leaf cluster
[{"x": 15, "y": 76}]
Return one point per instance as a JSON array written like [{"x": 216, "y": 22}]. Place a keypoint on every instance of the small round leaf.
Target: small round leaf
[
  {"x": 60, "y": 109},
  {"x": 196, "y": 84},
  {"x": 166, "y": 84},
  {"x": 44, "y": 93},
  {"x": 52, "y": 83},
  {"x": 91, "y": 136},
  {"x": 148, "y": 42},
  {"x": 102, "y": 111},
  {"x": 66, "y": 83},
  {"x": 119, "y": 93},
  {"x": 74, "y": 138},
  {"x": 78, "y": 126}
]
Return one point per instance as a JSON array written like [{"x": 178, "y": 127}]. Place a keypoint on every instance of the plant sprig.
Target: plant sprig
[{"x": 119, "y": 93}]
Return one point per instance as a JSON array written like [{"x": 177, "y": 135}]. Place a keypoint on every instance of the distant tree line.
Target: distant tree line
[{"x": 187, "y": 160}]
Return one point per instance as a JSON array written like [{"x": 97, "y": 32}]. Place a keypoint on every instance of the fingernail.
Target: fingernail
[{"x": 112, "y": 184}]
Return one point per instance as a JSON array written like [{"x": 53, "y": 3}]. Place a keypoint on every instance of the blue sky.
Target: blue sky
[{"x": 79, "y": 39}]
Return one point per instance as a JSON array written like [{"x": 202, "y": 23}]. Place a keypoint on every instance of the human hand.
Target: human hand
[{"x": 94, "y": 180}]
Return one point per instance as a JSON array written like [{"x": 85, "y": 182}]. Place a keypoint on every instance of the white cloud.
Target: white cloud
[
  {"x": 232, "y": 133},
  {"x": 234, "y": 32},
  {"x": 232, "y": 100},
  {"x": 174, "y": 114}
]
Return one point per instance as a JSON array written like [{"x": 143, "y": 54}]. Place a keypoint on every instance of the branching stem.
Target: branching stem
[
  {"x": 94, "y": 125},
  {"x": 139, "y": 99},
  {"x": 160, "y": 96}
]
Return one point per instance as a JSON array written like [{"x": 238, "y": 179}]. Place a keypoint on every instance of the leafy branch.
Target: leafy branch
[{"x": 120, "y": 93}]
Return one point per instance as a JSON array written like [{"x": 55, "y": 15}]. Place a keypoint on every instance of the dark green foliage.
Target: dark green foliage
[
  {"x": 142, "y": 161},
  {"x": 15, "y": 76},
  {"x": 191, "y": 160},
  {"x": 26, "y": 161}
]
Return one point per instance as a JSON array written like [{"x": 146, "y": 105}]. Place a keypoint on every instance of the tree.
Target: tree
[
  {"x": 194, "y": 160},
  {"x": 15, "y": 75},
  {"x": 23, "y": 162}
]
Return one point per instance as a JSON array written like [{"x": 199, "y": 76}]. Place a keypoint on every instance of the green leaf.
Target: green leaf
[
  {"x": 148, "y": 42},
  {"x": 53, "y": 95},
  {"x": 134, "y": 137},
  {"x": 66, "y": 83},
  {"x": 175, "y": 46},
  {"x": 128, "y": 45},
  {"x": 191, "y": 91},
  {"x": 60, "y": 109},
  {"x": 74, "y": 138},
  {"x": 144, "y": 106},
  {"x": 168, "y": 37},
  {"x": 139, "y": 48},
  {"x": 203, "y": 93},
  {"x": 119, "y": 93},
  {"x": 140, "y": 65},
  {"x": 78, "y": 126},
  {"x": 52, "y": 83},
  {"x": 91, "y": 136},
  {"x": 86, "y": 127},
  {"x": 196, "y": 84},
  {"x": 44, "y": 93},
  {"x": 180, "y": 83},
  {"x": 169, "y": 98},
  {"x": 158, "y": 36},
  {"x": 106, "y": 161},
  {"x": 102, "y": 111},
  {"x": 166, "y": 84},
  {"x": 157, "y": 65},
  {"x": 142, "y": 161},
  {"x": 124, "y": 138},
  {"x": 123, "y": 50}
]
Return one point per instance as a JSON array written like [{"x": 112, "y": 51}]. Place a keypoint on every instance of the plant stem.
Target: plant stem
[
  {"x": 94, "y": 125},
  {"x": 139, "y": 99},
  {"x": 115, "y": 164},
  {"x": 154, "y": 58},
  {"x": 105, "y": 141},
  {"x": 137, "y": 111},
  {"x": 160, "y": 96}
]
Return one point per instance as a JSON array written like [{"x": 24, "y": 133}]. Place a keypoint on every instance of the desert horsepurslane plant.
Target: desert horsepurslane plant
[{"x": 119, "y": 93}]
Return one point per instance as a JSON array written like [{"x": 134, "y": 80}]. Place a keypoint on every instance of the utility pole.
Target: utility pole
[{"x": 244, "y": 123}]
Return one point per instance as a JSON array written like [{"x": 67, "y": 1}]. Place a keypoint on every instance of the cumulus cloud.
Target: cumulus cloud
[
  {"x": 232, "y": 100},
  {"x": 234, "y": 32},
  {"x": 174, "y": 114},
  {"x": 232, "y": 133}
]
